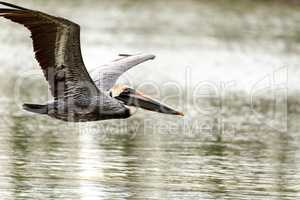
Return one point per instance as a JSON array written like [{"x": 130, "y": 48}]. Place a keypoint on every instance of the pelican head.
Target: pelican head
[{"x": 132, "y": 97}]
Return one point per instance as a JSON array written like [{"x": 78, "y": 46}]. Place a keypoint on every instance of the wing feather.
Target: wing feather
[
  {"x": 107, "y": 75},
  {"x": 56, "y": 43}
]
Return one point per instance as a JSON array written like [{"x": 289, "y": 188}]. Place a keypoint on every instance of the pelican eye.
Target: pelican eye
[{"x": 126, "y": 91}]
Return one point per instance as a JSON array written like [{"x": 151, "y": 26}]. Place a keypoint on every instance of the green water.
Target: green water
[{"x": 231, "y": 66}]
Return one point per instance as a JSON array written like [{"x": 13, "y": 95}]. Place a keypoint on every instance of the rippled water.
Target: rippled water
[{"x": 232, "y": 67}]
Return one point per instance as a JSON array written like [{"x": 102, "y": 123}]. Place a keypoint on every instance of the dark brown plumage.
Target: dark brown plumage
[{"x": 56, "y": 43}]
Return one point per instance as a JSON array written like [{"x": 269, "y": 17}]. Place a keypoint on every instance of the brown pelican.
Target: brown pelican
[{"x": 77, "y": 97}]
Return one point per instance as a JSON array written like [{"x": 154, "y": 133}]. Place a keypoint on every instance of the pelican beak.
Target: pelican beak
[{"x": 132, "y": 97}]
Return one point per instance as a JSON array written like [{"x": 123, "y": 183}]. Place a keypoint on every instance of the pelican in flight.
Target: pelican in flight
[{"x": 78, "y": 95}]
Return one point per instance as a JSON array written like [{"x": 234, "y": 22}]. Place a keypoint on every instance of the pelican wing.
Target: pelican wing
[
  {"x": 56, "y": 43},
  {"x": 107, "y": 75}
]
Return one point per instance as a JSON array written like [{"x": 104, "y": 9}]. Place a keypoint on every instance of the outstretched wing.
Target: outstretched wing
[
  {"x": 56, "y": 43},
  {"x": 107, "y": 75}
]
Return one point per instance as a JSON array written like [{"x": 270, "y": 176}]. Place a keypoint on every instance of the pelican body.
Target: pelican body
[{"x": 78, "y": 96}]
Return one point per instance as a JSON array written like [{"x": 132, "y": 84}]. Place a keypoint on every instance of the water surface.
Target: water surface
[{"x": 213, "y": 58}]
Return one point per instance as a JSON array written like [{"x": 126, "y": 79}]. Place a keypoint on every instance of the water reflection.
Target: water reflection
[{"x": 68, "y": 165}]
